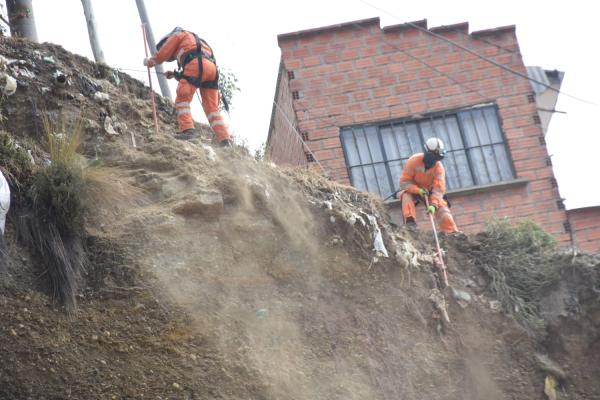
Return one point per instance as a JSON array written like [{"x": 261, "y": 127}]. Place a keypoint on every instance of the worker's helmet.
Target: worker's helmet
[
  {"x": 162, "y": 41},
  {"x": 435, "y": 146}
]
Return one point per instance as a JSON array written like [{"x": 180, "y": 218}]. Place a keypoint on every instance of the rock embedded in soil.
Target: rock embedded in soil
[{"x": 208, "y": 203}]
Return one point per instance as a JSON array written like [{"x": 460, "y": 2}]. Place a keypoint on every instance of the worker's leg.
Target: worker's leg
[
  {"x": 445, "y": 220},
  {"x": 210, "y": 103},
  {"x": 408, "y": 206},
  {"x": 185, "y": 94}
]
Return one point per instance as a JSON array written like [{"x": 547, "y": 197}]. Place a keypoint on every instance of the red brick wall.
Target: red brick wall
[
  {"x": 284, "y": 145},
  {"x": 585, "y": 223},
  {"x": 359, "y": 73}
]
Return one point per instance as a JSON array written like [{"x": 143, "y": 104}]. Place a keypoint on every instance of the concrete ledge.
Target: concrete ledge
[{"x": 475, "y": 189}]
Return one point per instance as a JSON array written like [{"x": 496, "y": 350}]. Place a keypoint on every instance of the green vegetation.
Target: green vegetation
[{"x": 521, "y": 262}]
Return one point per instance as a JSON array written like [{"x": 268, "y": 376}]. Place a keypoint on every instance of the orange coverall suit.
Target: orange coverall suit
[
  {"x": 177, "y": 46},
  {"x": 415, "y": 176}
]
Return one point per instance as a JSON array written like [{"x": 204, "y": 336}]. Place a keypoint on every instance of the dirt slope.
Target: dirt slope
[{"x": 224, "y": 278}]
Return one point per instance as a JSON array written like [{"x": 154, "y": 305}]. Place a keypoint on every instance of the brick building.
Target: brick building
[{"x": 357, "y": 100}]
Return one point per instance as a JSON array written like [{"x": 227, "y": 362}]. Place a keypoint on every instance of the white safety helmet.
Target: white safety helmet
[{"x": 436, "y": 146}]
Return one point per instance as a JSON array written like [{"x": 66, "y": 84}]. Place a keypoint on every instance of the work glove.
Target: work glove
[
  {"x": 423, "y": 192},
  {"x": 170, "y": 74},
  {"x": 149, "y": 62},
  {"x": 431, "y": 209}
]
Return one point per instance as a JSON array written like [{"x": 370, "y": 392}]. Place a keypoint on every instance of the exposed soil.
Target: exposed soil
[{"x": 224, "y": 278}]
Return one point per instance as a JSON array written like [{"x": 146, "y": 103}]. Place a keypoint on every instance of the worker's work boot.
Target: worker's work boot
[
  {"x": 225, "y": 143},
  {"x": 186, "y": 134},
  {"x": 411, "y": 224}
]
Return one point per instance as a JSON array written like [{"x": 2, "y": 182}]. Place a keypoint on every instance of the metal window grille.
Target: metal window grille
[
  {"x": 291, "y": 75},
  {"x": 537, "y": 120},
  {"x": 530, "y": 98},
  {"x": 309, "y": 157},
  {"x": 476, "y": 149},
  {"x": 295, "y": 95}
]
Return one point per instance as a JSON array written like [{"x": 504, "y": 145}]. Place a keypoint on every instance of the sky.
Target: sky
[{"x": 552, "y": 34}]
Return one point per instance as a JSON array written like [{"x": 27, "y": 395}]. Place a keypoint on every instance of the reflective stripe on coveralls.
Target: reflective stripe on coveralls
[
  {"x": 181, "y": 43},
  {"x": 415, "y": 176}
]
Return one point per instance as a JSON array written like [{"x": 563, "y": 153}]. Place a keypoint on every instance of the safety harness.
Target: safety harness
[{"x": 198, "y": 54}]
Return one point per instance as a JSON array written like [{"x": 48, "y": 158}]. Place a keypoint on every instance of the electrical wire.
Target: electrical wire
[
  {"x": 461, "y": 85},
  {"x": 504, "y": 67},
  {"x": 299, "y": 137}
]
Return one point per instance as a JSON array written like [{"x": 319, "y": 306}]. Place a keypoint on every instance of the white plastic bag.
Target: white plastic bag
[{"x": 4, "y": 201}]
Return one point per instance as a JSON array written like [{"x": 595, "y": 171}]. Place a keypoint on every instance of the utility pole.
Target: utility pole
[
  {"x": 93, "y": 31},
  {"x": 162, "y": 81},
  {"x": 20, "y": 15}
]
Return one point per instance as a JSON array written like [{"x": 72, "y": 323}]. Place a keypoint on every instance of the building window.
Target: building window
[
  {"x": 295, "y": 95},
  {"x": 291, "y": 75},
  {"x": 304, "y": 136},
  {"x": 309, "y": 156},
  {"x": 476, "y": 150}
]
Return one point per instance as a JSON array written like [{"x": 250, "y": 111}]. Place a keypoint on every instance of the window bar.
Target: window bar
[
  {"x": 343, "y": 141},
  {"x": 407, "y": 139},
  {"x": 395, "y": 139},
  {"x": 487, "y": 171},
  {"x": 452, "y": 152},
  {"x": 359, "y": 159},
  {"x": 421, "y": 136},
  {"x": 460, "y": 181},
  {"x": 372, "y": 165},
  {"x": 505, "y": 142},
  {"x": 489, "y": 134},
  {"x": 385, "y": 160},
  {"x": 467, "y": 154},
  {"x": 399, "y": 152}
]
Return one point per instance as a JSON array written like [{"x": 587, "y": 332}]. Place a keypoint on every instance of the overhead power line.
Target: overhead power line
[
  {"x": 470, "y": 51},
  {"x": 461, "y": 85}
]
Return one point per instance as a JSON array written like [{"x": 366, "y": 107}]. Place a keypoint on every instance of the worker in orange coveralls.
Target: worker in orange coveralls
[
  {"x": 424, "y": 176},
  {"x": 197, "y": 70}
]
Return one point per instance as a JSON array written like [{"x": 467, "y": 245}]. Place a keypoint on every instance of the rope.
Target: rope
[{"x": 300, "y": 137}]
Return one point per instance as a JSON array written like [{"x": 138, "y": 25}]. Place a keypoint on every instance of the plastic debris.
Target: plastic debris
[
  {"x": 438, "y": 300},
  {"x": 30, "y": 156},
  {"x": 49, "y": 59},
  {"x": 101, "y": 97},
  {"x": 115, "y": 78},
  {"x": 378, "y": 244},
  {"x": 8, "y": 84},
  {"x": 354, "y": 218},
  {"x": 328, "y": 205},
  {"x": 3, "y": 62},
  {"x": 262, "y": 313},
  {"x": 60, "y": 79},
  {"x": 495, "y": 305},
  {"x": 4, "y": 201},
  {"x": 108, "y": 126},
  {"x": 462, "y": 298},
  {"x": 550, "y": 387},
  {"x": 210, "y": 153},
  {"x": 88, "y": 86}
]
